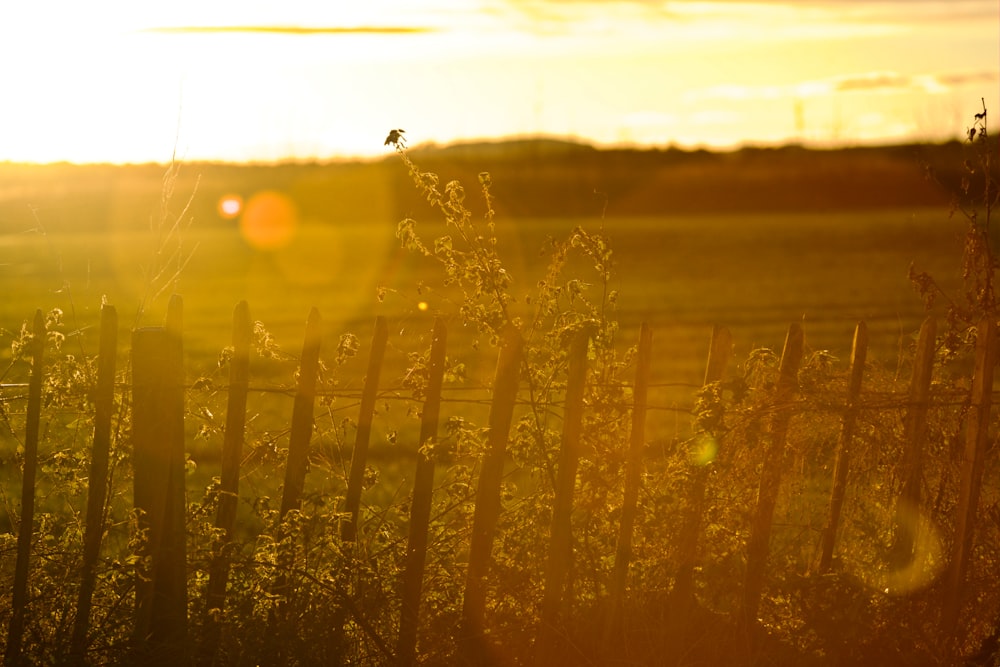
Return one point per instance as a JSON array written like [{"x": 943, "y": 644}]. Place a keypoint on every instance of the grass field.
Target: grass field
[
  {"x": 754, "y": 273},
  {"x": 72, "y": 235}
]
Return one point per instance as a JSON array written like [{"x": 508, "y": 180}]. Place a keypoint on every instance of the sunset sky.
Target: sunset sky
[{"x": 236, "y": 80}]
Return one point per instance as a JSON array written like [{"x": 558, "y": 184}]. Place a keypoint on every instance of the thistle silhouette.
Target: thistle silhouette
[{"x": 395, "y": 138}]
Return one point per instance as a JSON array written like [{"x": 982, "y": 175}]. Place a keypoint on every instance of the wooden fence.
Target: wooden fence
[{"x": 157, "y": 395}]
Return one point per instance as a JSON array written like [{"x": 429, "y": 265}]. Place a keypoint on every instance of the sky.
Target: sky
[{"x": 252, "y": 80}]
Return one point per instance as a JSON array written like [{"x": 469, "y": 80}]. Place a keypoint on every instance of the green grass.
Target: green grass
[{"x": 754, "y": 273}]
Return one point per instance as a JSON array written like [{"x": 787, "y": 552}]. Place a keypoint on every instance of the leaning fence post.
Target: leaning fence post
[
  {"x": 720, "y": 350},
  {"x": 907, "y": 513},
  {"x": 487, "y": 512},
  {"x": 297, "y": 462},
  {"x": 859, "y": 352},
  {"x": 359, "y": 457},
  {"x": 420, "y": 506},
  {"x": 19, "y": 603},
  {"x": 770, "y": 476},
  {"x": 976, "y": 439},
  {"x": 97, "y": 486},
  {"x": 160, "y": 631},
  {"x": 560, "y": 556},
  {"x": 302, "y": 418},
  {"x": 633, "y": 477},
  {"x": 232, "y": 452},
  {"x": 682, "y": 594}
]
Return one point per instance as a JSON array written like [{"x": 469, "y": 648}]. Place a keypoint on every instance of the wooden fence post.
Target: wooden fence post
[
  {"x": 359, "y": 457},
  {"x": 487, "y": 512},
  {"x": 296, "y": 466},
  {"x": 19, "y": 603},
  {"x": 682, "y": 595},
  {"x": 560, "y": 556},
  {"x": 859, "y": 352},
  {"x": 160, "y": 632},
  {"x": 770, "y": 476},
  {"x": 302, "y": 418},
  {"x": 420, "y": 505},
  {"x": 97, "y": 485},
  {"x": 232, "y": 453},
  {"x": 633, "y": 479},
  {"x": 907, "y": 511},
  {"x": 976, "y": 440}
]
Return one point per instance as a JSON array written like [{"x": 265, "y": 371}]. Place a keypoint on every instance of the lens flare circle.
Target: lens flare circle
[
  {"x": 705, "y": 450},
  {"x": 894, "y": 570},
  {"x": 269, "y": 220},
  {"x": 229, "y": 206}
]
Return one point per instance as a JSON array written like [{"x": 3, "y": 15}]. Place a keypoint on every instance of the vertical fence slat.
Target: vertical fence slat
[
  {"x": 633, "y": 477},
  {"x": 906, "y": 517},
  {"x": 232, "y": 453},
  {"x": 560, "y": 555},
  {"x": 359, "y": 457},
  {"x": 487, "y": 511},
  {"x": 296, "y": 467},
  {"x": 160, "y": 631},
  {"x": 97, "y": 487},
  {"x": 420, "y": 506},
  {"x": 859, "y": 353},
  {"x": 302, "y": 417},
  {"x": 720, "y": 350},
  {"x": 976, "y": 440},
  {"x": 19, "y": 602},
  {"x": 682, "y": 594},
  {"x": 770, "y": 476}
]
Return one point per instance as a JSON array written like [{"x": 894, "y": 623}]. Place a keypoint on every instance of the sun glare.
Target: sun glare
[
  {"x": 308, "y": 80},
  {"x": 269, "y": 220}
]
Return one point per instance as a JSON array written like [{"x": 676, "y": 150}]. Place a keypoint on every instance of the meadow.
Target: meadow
[
  {"x": 73, "y": 236},
  {"x": 754, "y": 271},
  {"x": 331, "y": 238}
]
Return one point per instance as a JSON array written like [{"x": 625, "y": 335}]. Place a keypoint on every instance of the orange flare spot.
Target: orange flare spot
[{"x": 269, "y": 220}]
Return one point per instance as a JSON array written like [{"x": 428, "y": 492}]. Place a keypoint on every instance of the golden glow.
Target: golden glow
[
  {"x": 927, "y": 561},
  {"x": 230, "y": 206},
  {"x": 269, "y": 220},
  {"x": 130, "y": 82},
  {"x": 925, "y": 566},
  {"x": 422, "y": 306}
]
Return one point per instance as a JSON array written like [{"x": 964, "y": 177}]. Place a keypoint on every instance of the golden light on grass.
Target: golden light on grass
[
  {"x": 230, "y": 207},
  {"x": 269, "y": 220}
]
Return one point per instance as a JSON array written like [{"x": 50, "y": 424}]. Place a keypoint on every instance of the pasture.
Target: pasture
[
  {"x": 67, "y": 248},
  {"x": 754, "y": 271}
]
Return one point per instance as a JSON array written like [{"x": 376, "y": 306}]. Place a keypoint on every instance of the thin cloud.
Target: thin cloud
[
  {"x": 867, "y": 83},
  {"x": 292, "y": 30},
  {"x": 874, "y": 81},
  {"x": 931, "y": 83},
  {"x": 966, "y": 78},
  {"x": 906, "y": 10}
]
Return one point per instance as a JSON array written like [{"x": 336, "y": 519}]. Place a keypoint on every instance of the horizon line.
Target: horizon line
[{"x": 433, "y": 146}]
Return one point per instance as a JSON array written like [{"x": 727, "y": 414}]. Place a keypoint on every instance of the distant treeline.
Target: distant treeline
[{"x": 531, "y": 178}]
